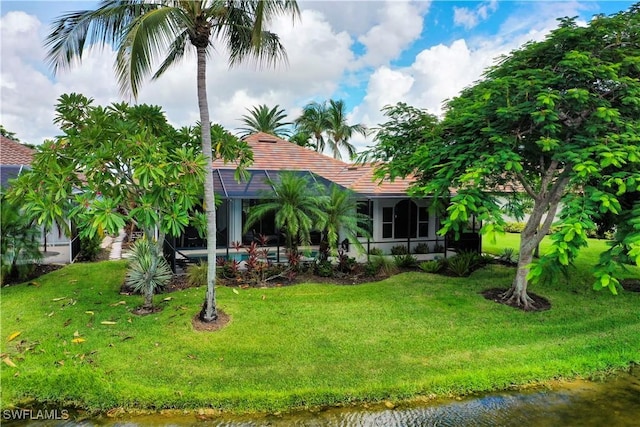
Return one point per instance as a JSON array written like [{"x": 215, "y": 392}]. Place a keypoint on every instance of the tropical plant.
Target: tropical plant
[
  {"x": 141, "y": 31},
  {"x": 19, "y": 241},
  {"x": 90, "y": 247},
  {"x": 119, "y": 165},
  {"x": 341, "y": 216},
  {"x": 264, "y": 119},
  {"x": 197, "y": 274},
  {"x": 421, "y": 248},
  {"x": 559, "y": 119},
  {"x": 327, "y": 123},
  {"x": 433, "y": 266},
  {"x": 399, "y": 250},
  {"x": 383, "y": 265},
  {"x": 148, "y": 272},
  {"x": 339, "y": 132},
  {"x": 297, "y": 206},
  {"x": 405, "y": 261},
  {"x": 464, "y": 263}
]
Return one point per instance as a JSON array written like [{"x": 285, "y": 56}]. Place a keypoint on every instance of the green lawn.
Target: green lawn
[{"x": 306, "y": 345}]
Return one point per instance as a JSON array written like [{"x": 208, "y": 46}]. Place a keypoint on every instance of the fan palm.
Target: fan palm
[
  {"x": 298, "y": 208},
  {"x": 264, "y": 119},
  {"x": 142, "y": 31}
]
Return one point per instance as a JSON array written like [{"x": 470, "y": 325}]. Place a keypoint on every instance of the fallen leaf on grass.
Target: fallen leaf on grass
[
  {"x": 13, "y": 336},
  {"x": 76, "y": 334},
  {"x": 8, "y": 362},
  {"x": 67, "y": 322},
  {"x": 118, "y": 303},
  {"x": 78, "y": 340},
  {"x": 50, "y": 314},
  {"x": 36, "y": 284},
  {"x": 107, "y": 322},
  {"x": 59, "y": 299},
  {"x": 89, "y": 312},
  {"x": 235, "y": 291},
  {"x": 168, "y": 299}
]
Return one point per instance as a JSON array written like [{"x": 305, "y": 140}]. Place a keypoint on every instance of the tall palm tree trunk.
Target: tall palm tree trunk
[{"x": 209, "y": 311}]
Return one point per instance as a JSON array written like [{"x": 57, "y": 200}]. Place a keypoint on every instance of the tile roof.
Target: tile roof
[
  {"x": 14, "y": 153},
  {"x": 273, "y": 153}
]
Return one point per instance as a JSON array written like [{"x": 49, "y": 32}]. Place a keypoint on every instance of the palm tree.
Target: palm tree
[
  {"x": 339, "y": 131},
  {"x": 341, "y": 216},
  {"x": 263, "y": 119},
  {"x": 313, "y": 122},
  {"x": 142, "y": 31},
  {"x": 327, "y": 123},
  {"x": 297, "y": 206}
]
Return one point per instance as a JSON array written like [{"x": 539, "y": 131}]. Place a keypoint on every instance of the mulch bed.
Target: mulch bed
[
  {"x": 495, "y": 294},
  {"x": 631, "y": 285},
  {"x": 39, "y": 270},
  {"x": 222, "y": 321}
]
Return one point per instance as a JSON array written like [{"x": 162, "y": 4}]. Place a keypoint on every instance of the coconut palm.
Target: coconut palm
[
  {"x": 264, "y": 119},
  {"x": 327, "y": 123},
  {"x": 313, "y": 121},
  {"x": 339, "y": 131},
  {"x": 297, "y": 206},
  {"x": 142, "y": 31}
]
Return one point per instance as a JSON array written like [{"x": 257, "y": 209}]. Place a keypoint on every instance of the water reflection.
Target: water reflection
[{"x": 612, "y": 403}]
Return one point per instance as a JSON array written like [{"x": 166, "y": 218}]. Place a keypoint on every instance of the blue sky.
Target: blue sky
[{"x": 369, "y": 53}]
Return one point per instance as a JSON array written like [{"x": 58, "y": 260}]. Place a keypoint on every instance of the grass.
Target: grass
[{"x": 301, "y": 346}]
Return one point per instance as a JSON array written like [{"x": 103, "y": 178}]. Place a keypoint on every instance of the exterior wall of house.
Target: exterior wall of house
[{"x": 380, "y": 237}]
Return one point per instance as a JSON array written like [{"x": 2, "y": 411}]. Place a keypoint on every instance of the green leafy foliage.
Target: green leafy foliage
[
  {"x": 148, "y": 271},
  {"x": 405, "y": 261},
  {"x": 433, "y": 266},
  {"x": 19, "y": 241},
  {"x": 464, "y": 263},
  {"x": 197, "y": 274},
  {"x": 556, "y": 120}
]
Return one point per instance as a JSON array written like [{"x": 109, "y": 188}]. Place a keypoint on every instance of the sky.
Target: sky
[{"x": 368, "y": 53}]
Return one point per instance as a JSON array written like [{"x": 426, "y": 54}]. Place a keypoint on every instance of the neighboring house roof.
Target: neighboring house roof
[
  {"x": 14, "y": 153},
  {"x": 14, "y": 158},
  {"x": 276, "y": 154}
]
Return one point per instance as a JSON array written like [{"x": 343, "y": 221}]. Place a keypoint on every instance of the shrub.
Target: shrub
[
  {"x": 197, "y": 273},
  {"x": 90, "y": 247},
  {"x": 346, "y": 264},
  {"x": 509, "y": 256},
  {"x": 399, "y": 250},
  {"x": 384, "y": 265},
  {"x": 375, "y": 251},
  {"x": 464, "y": 263},
  {"x": 324, "y": 269},
  {"x": 19, "y": 242},
  {"x": 438, "y": 248},
  {"x": 421, "y": 248},
  {"x": 405, "y": 261},
  {"x": 148, "y": 270},
  {"x": 514, "y": 227},
  {"x": 433, "y": 266}
]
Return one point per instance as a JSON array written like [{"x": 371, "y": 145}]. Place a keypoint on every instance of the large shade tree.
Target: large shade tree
[
  {"x": 558, "y": 120},
  {"x": 143, "y": 31},
  {"x": 113, "y": 166}
]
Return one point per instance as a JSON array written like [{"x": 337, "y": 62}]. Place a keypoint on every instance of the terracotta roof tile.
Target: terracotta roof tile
[
  {"x": 273, "y": 153},
  {"x": 14, "y": 153}
]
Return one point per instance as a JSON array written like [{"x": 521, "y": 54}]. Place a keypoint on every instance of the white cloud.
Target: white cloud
[
  {"x": 400, "y": 25},
  {"x": 469, "y": 18}
]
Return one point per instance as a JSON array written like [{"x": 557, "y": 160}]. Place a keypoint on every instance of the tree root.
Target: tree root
[{"x": 518, "y": 299}]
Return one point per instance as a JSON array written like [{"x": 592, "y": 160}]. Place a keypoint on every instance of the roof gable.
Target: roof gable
[{"x": 273, "y": 153}]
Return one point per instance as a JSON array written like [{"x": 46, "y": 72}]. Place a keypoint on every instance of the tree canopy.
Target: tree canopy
[{"x": 558, "y": 120}]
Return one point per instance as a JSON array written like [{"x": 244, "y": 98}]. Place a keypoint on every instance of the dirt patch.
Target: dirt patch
[
  {"x": 39, "y": 270},
  {"x": 495, "y": 294},
  {"x": 222, "y": 321},
  {"x": 630, "y": 285},
  {"x": 143, "y": 311}
]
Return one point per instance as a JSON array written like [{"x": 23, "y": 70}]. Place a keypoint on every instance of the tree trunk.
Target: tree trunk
[
  {"x": 209, "y": 311},
  {"x": 517, "y": 294}
]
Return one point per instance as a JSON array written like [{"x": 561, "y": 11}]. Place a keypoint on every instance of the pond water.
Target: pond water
[{"x": 613, "y": 403}]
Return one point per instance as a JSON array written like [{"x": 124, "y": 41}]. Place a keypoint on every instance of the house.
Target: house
[
  {"x": 396, "y": 219},
  {"x": 15, "y": 158}
]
